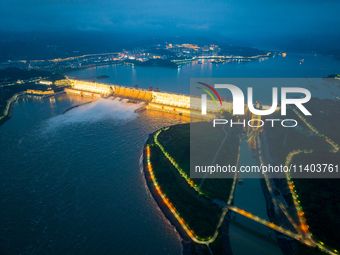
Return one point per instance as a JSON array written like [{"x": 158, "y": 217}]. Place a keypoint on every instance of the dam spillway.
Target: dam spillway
[
  {"x": 133, "y": 94},
  {"x": 83, "y": 93},
  {"x": 154, "y": 100}
]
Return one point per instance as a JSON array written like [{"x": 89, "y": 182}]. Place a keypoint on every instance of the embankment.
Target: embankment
[
  {"x": 287, "y": 245},
  {"x": 225, "y": 235},
  {"x": 9, "y": 107},
  {"x": 164, "y": 208},
  {"x": 10, "y": 103},
  {"x": 75, "y": 106}
]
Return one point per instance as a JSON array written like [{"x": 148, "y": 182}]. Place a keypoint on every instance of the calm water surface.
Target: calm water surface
[
  {"x": 247, "y": 236},
  {"x": 178, "y": 79},
  {"x": 71, "y": 184}
]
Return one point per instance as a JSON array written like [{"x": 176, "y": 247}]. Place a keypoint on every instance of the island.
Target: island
[
  {"x": 190, "y": 204},
  {"x": 100, "y": 77}
]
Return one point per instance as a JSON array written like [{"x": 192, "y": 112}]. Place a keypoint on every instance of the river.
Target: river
[
  {"x": 247, "y": 236},
  {"x": 178, "y": 79},
  {"x": 71, "y": 184}
]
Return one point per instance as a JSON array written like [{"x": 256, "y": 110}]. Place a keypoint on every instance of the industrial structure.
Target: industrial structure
[{"x": 161, "y": 101}]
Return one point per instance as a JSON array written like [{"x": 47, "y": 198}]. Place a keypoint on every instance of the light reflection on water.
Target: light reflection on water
[
  {"x": 178, "y": 79},
  {"x": 71, "y": 184},
  {"x": 247, "y": 236}
]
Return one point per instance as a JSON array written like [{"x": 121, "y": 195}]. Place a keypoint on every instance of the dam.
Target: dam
[{"x": 153, "y": 100}]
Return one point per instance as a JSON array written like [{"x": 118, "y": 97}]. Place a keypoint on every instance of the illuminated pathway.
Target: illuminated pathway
[
  {"x": 170, "y": 206},
  {"x": 328, "y": 140},
  {"x": 304, "y": 226},
  {"x": 266, "y": 223},
  {"x": 9, "y": 102},
  {"x": 304, "y": 235},
  {"x": 270, "y": 189},
  {"x": 76, "y": 57},
  {"x": 180, "y": 170},
  {"x": 301, "y": 227},
  {"x": 166, "y": 200}
]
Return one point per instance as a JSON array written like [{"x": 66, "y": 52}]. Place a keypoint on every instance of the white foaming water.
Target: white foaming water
[{"x": 119, "y": 111}]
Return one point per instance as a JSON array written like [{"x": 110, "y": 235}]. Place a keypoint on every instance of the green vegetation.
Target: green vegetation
[
  {"x": 220, "y": 188},
  {"x": 240, "y": 51},
  {"x": 325, "y": 117},
  {"x": 198, "y": 212},
  {"x": 320, "y": 200},
  {"x": 286, "y": 139},
  {"x": 306, "y": 250},
  {"x": 102, "y": 77},
  {"x": 176, "y": 141},
  {"x": 14, "y": 74}
]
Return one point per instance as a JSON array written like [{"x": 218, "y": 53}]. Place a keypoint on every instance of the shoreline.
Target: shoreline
[
  {"x": 186, "y": 240},
  {"x": 75, "y": 106},
  {"x": 287, "y": 246},
  {"x": 188, "y": 243},
  {"x": 10, "y": 107},
  {"x": 226, "y": 245},
  {"x": 8, "y": 115}
]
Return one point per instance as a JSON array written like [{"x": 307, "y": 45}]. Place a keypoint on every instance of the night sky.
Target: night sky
[{"x": 242, "y": 19}]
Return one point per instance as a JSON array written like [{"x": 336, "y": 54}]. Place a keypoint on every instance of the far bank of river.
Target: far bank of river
[
  {"x": 72, "y": 182},
  {"x": 178, "y": 79}
]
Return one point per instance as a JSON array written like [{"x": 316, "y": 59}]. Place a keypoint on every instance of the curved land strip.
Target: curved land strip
[
  {"x": 319, "y": 197},
  {"x": 193, "y": 213},
  {"x": 8, "y": 111},
  {"x": 17, "y": 82},
  {"x": 75, "y": 106},
  {"x": 307, "y": 149}
]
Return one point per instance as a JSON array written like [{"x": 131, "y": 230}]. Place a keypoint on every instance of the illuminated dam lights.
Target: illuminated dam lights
[
  {"x": 170, "y": 205},
  {"x": 182, "y": 173},
  {"x": 185, "y": 226}
]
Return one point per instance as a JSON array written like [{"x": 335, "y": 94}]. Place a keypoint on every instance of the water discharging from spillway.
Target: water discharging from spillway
[
  {"x": 120, "y": 112},
  {"x": 71, "y": 182}
]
